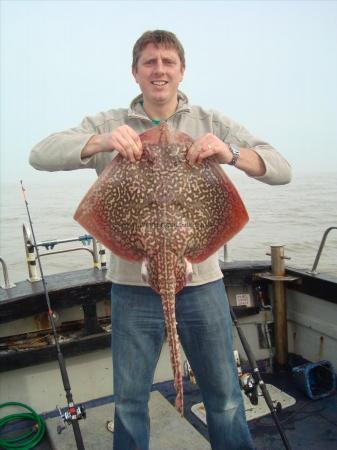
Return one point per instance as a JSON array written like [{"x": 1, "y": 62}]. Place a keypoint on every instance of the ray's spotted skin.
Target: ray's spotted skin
[{"x": 166, "y": 212}]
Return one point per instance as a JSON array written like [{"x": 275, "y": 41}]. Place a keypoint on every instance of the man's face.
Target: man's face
[{"x": 158, "y": 73}]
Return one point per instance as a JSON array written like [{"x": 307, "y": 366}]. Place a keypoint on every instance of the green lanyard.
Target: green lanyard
[{"x": 154, "y": 121}]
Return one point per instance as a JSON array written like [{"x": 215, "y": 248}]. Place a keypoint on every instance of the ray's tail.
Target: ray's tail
[
  {"x": 168, "y": 301},
  {"x": 166, "y": 286}
]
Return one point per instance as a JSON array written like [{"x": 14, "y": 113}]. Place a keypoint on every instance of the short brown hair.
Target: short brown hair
[{"x": 157, "y": 37}]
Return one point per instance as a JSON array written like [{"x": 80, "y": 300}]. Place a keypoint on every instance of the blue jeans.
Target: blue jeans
[{"x": 205, "y": 331}]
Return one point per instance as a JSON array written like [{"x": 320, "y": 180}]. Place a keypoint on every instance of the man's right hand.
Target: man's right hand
[{"x": 123, "y": 139}]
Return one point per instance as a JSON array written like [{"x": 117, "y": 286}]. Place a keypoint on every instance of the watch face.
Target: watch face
[{"x": 234, "y": 148}]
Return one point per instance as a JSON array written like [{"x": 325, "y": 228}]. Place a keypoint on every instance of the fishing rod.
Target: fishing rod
[
  {"x": 254, "y": 380},
  {"x": 74, "y": 412}
]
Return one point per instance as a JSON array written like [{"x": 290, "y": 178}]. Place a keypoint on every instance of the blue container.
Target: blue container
[{"x": 316, "y": 380}]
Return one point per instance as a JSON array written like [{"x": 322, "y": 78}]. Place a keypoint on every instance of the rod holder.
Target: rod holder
[
  {"x": 278, "y": 277},
  {"x": 8, "y": 284},
  {"x": 97, "y": 251},
  {"x": 279, "y": 306}
]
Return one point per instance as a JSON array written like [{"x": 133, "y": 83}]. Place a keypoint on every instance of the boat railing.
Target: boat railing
[
  {"x": 97, "y": 251},
  {"x": 313, "y": 271},
  {"x": 8, "y": 284}
]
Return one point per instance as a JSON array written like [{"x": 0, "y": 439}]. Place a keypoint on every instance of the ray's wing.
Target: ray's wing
[
  {"x": 109, "y": 209},
  {"x": 129, "y": 198},
  {"x": 216, "y": 211}
]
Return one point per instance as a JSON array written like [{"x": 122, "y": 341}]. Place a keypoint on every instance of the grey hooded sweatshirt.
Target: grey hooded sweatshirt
[{"x": 62, "y": 151}]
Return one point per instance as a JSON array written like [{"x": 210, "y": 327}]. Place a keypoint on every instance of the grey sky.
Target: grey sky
[{"x": 270, "y": 65}]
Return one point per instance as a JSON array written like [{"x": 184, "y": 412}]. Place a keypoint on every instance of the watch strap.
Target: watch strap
[{"x": 234, "y": 149}]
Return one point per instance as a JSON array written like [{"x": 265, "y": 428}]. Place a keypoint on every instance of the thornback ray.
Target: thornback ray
[{"x": 167, "y": 213}]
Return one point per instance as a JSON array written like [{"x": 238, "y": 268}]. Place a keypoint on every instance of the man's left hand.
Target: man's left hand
[{"x": 207, "y": 146}]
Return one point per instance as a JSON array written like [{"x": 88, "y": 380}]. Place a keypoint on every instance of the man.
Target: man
[{"x": 204, "y": 323}]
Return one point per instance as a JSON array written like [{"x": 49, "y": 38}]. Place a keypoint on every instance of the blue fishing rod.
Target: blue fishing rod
[{"x": 74, "y": 412}]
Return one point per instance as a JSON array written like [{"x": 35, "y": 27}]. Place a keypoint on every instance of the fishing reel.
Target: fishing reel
[
  {"x": 247, "y": 381},
  {"x": 188, "y": 372},
  {"x": 249, "y": 387},
  {"x": 73, "y": 412}
]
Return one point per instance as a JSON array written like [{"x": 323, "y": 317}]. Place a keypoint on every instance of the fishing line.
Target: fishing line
[{"x": 74, "y": 412}]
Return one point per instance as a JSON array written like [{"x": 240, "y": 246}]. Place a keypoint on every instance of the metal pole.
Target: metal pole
[
  {"x": 279, "y": 305},
  {"x": 95, "y": 253},
  {"x": 313, "y": 271}
]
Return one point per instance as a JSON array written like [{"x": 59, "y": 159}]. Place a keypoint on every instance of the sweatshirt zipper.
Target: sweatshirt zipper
[{"x": 142, "y": 117}]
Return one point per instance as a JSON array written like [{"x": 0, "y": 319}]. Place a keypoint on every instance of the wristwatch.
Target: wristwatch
[{"x": 235, "y": 152}]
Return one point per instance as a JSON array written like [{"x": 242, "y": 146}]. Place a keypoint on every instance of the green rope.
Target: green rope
[{"x": 27, "y": 440}]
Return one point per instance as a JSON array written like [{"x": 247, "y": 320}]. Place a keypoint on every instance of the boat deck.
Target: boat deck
[{"x": 308, "y": 424}]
